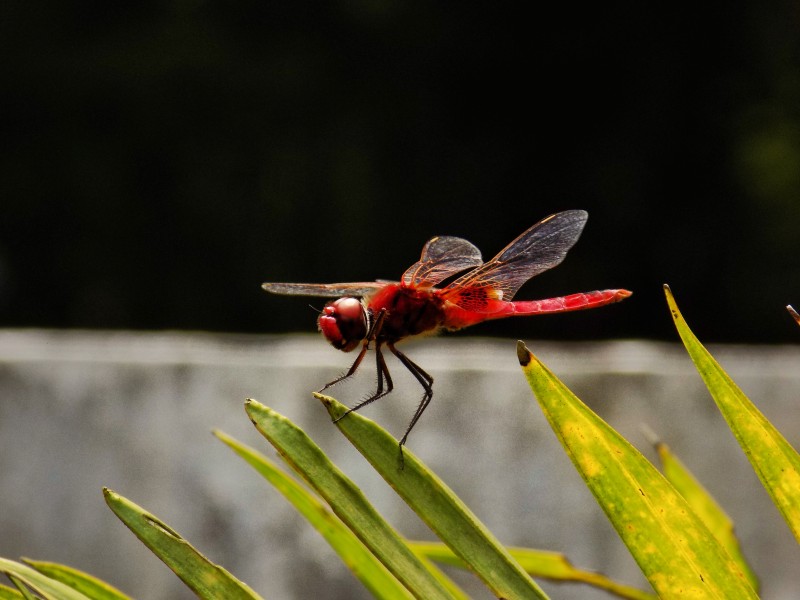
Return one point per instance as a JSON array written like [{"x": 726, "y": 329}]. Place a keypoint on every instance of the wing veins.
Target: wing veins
[
  {"x": 324, "y": 290},
  {"x": 538, "y": 249},
  {"x": 442, "y": 257}
]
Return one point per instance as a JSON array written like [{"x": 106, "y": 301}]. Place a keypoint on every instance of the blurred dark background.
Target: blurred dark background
[{"x": 159, "y": 161}]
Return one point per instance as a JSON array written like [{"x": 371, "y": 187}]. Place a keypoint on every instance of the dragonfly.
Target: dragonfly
[{"x": 384, "y": 313}]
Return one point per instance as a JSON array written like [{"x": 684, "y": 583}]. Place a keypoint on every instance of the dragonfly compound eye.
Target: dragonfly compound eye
[{"x": 343, "y": 322}]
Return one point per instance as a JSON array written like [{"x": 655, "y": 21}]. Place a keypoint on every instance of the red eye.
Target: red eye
[{"x": 343, "y": 322}]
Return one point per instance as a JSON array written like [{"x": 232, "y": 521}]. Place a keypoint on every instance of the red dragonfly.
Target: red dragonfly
[{"x": 386, "y": 312}]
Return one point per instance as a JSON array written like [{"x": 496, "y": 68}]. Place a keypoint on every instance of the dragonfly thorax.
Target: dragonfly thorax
[{"x": 344, "y": 323}]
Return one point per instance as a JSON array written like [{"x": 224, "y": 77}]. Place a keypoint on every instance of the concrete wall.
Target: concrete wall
[{"x": 80, "y": 410}]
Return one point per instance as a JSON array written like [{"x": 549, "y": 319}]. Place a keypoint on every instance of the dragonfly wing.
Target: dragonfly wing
[
  {"x": 327, "y": 290},
  {"x": 538, "y": 249},
  {"x": 442, "y": 257}
]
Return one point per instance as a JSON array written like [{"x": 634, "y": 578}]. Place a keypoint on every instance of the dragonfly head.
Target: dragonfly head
[{"x": 343, "y": 322}]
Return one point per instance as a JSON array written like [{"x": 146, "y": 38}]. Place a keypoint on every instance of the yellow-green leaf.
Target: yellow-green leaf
[
  {"x": 78, "y": 580},
  {"x": 203, "y": 577},
  {"x": 675, "y": 550},
  {"x": 27, "y": 578},
  {"x": 24, "y": 591},
  {"x": 347, "y": 501},
  {"x": 364, "y": 565},
  {"x": 7, "y": 593},
  {"x": 712, "y": 514},
  {"x": 437, "y": 505},
  {"x": 541, "y": 564},
  {"x": 774, "y": 460}
]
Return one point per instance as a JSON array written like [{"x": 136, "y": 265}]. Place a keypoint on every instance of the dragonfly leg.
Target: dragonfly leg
[
  {"x": 383, "y": 372},
  {"x": 374, "y": 329},
  {"x": 426, "y": 381},
  {"x": 352, "y": 370},
  {"x": 380, "y": 362}
]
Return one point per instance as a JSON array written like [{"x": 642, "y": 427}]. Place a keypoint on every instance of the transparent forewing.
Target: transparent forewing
[
  {"x": 326, "y": 290},
  {"x": 442, "y": 257},
  {"x": 540, "y": 248}
]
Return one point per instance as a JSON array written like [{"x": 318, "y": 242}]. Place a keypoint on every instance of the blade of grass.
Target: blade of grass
[
  {"x": 78, "y": 580},
  {"x": 22, "y": 588},
  {"x": 541, "y": 564},
  {"x": 774, "y": 460},
  {"x": 364, "y": 565},
  {"x": 203, "y": 577},
  {"x": 448, "y": 583},
  {"x": 346, "y": 500},
  {"x": 675, "y": 550},
  {"x": 436, "y": 505},
  {"x": 703, "y": 503},
  {"x": 24, "y": 577},
  {"x": 7, "y": 593}
]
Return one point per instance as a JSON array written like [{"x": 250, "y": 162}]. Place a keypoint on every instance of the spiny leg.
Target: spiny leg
[
  {"x": 383, "y": 371},
  {"x": 352, "y": 370},
  {"x": 426, "y": 381},
  {"x": 371, "y": 335}
]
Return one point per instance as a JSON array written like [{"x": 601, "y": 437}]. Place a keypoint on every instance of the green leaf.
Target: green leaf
[
  {"x": 711, "y": 513},
  {"x": 675, "y": 550},
  {"x": 346, "y": 500},
  {"x": 24, "y": 591},
  {"x": 46, "y": 587},
  {"x": 541, "y": 564},
  {"x": 775, "y": 462},
  {"x": 436, "y": 505},
  {"x": 78, "y": 580},
  {"x": 204, "y": 578},
  {"x": 7, "y": 593},
  {"x": 369, "y": 570}
]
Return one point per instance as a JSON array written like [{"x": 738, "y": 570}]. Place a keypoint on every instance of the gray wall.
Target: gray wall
[{"x": 80, "y": 410}]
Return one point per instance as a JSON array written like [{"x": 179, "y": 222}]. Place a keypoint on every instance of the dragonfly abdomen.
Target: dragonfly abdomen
[{"x": 572, "y": 302}]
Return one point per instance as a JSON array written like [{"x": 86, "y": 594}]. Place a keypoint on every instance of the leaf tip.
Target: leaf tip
[
  {"x": 326, "y": 400},
  {"x": 335, "y": 409},
  {"x": 673, "y": 306},
  {"x": 523, "y": 354}
]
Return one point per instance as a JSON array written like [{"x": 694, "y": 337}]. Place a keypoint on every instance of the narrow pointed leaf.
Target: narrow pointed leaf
[
  {"x": 540, "y": 564},
  {"x": 436, "y": 505},
  {"x": 24, "y": 591},
  {"x": 675, "y": 550},
  {"x": 369, "y": 570},
  {"x": 7, "y": 593},
  {"x": 447, "y": 583},
  {"x": 83, "y": 582},
  {"x": 346, "y": 500},
  {"x": 203, "y": 577},
  {"x": 712, "y": 514},
  {"x": 774, "y": 460},
  {"x": 24, "y": 577}
]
